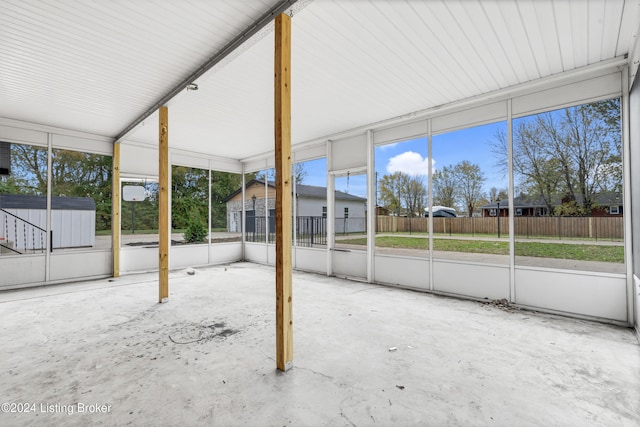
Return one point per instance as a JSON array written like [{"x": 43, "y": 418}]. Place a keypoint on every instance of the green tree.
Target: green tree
[
  {"x": 77, "y": 174},
  {"x": 298, "y": 171},
  {"x": 222, "y": 185},
  {"x": 400, "y": 191},
  {"x": 414, "y": 194},
  {"x": 496, "y": 194},
  {"x": 146, "y": 211},
  {"x": 28, "y": 169},
  {"x": 11, "y": 185},
  {"x": 73, "y": 174},
  {"x": 391, "y": 192},
  {"x": 567, "y": 156},
  {"x": 445, "y": 186},
  {"x": 469, "y": 182},
  {"x": 189, "y": 196}
]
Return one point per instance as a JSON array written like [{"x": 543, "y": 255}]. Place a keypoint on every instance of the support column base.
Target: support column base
[{"x": 287, "y": 367}]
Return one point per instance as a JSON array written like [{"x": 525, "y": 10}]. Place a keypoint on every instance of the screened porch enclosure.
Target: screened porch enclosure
[{"x": 397, "y": 108}]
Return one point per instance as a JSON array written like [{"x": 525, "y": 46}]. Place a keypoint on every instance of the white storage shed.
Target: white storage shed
[{"x": 24, "y": 220}]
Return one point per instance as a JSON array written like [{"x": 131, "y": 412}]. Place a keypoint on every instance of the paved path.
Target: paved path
[{"x": 502, "y": 239}]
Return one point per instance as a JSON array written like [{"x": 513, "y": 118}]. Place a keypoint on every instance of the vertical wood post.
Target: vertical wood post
[
  {"x": 163, "y": 204},
  {"x": 115, "y": 209},
  {"x": 282, "y": 95}
]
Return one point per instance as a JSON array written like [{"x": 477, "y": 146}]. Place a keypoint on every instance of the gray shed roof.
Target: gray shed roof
[
  {"x": 23, "y": 201},
  {"x": 311, "y": 191},
  {"x": 316, "y": 192}
]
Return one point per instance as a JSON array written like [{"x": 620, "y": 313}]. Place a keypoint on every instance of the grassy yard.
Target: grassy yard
[{"x": 582, "y": 252}]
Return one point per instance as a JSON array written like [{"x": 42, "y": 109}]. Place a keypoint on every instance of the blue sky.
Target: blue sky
[{"x": 411, "y": 156}]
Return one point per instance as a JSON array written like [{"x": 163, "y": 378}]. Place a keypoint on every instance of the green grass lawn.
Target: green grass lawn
[{"x": 582, "y": 252}]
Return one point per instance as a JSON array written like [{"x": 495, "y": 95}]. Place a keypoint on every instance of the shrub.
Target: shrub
[{"x": 196, "y": 231}]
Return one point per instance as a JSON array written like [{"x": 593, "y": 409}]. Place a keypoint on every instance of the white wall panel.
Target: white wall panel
[
  {"x": 634, "y": 154},
  {"x": 226, "y": 165},
  {"x": 401, "y": 132},
  {"x": 488, "y": 113},
  {"x": 87, "y": 145},
  {"x": 225, "y": 252},
  {"x": 255, "y": 252},
  {"x": 138, "y": 259},
  {"x": 349, "y": 153},
  {"x": 307, "y": 206},
  {"x": 260, "y": 164},
  {"x": 72, "y": 229},
  {"x": 605, "y": 86},
  {"x": 271, "y": 254},
  {"x": 310, "y": 152},
  {"x": 25, "y": 136},
  {"x": 586, "y": 294},
  {"x": 201, "y": 161},
  {"x": 402, "y": 271},
  {"x": 475, "y": 280},
  {"x": 188, "y": 255},
  {"x": 189, "y": 161},
  {"x": 349, "y": 263},
  {"x": 311, "y": 259},
  {"x": 20, "y": 270},
  {"x": 77, "y": 265},
  {"x": 636, "y": 281},
  {"x": 138, "y": 160}
]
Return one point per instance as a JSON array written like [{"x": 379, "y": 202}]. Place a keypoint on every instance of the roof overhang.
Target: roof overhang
[{"x": 103, "y": 68}]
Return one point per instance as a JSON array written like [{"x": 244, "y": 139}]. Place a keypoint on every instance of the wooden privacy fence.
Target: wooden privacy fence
[{"x": 559, "y": 227}]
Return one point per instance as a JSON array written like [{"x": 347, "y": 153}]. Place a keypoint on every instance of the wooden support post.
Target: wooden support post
[
  {"x": 115, "y": 209},
  {"x": 163, "y": 204},
  {"x": 282, "y": 92}
]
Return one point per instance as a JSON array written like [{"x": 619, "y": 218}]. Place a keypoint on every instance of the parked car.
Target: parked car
[{"x": 441, "y": 211}]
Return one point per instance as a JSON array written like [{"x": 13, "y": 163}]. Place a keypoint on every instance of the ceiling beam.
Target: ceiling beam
[{"x": 268, "y": 17}]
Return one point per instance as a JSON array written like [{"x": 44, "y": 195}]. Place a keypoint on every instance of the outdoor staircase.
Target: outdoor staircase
[{"x": 19, "y": 236}]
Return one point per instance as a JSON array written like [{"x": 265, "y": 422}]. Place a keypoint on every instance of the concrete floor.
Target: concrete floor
[{"x": 206, "y": 357}]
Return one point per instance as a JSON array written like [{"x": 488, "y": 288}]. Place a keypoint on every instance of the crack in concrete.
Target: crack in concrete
[{"x": 315, "y": 372}]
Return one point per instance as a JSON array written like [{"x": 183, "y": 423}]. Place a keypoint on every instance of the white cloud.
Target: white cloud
[
  {"x": 387, "y": 146},
  {"x": 409, "y": 162}
]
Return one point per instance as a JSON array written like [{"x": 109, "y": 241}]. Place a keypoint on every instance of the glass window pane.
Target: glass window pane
[
  {"x": 189, "y": 205},
  {"x": 226, "y": 215},
  {"x": 23, "y": 201},
  {"x": 470, "y": 200},
  {"x": 81, "y": 200},
  {"x": 139, "y": 218},
  {"x": 351, "y": 212},
  {"x": 256, "y": 202},
  {"x": 568, "y": 185},
  {"x": 311, "y": 203},
  {"x": 401, "y": 198}
]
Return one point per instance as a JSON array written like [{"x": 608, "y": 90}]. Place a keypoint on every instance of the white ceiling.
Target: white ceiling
[{"x": 96, "y": 66}]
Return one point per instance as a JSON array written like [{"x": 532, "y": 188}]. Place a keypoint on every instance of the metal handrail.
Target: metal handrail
[
  {"x": 23, "y": 220},
  {"x": 10, "y": 248}
]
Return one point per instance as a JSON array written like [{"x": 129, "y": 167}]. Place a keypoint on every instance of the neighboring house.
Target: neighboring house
[
  {"x": 382, "y": 211},
  {"x": 609, "y": 204},
  {"x": 311, "y": 201}
]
